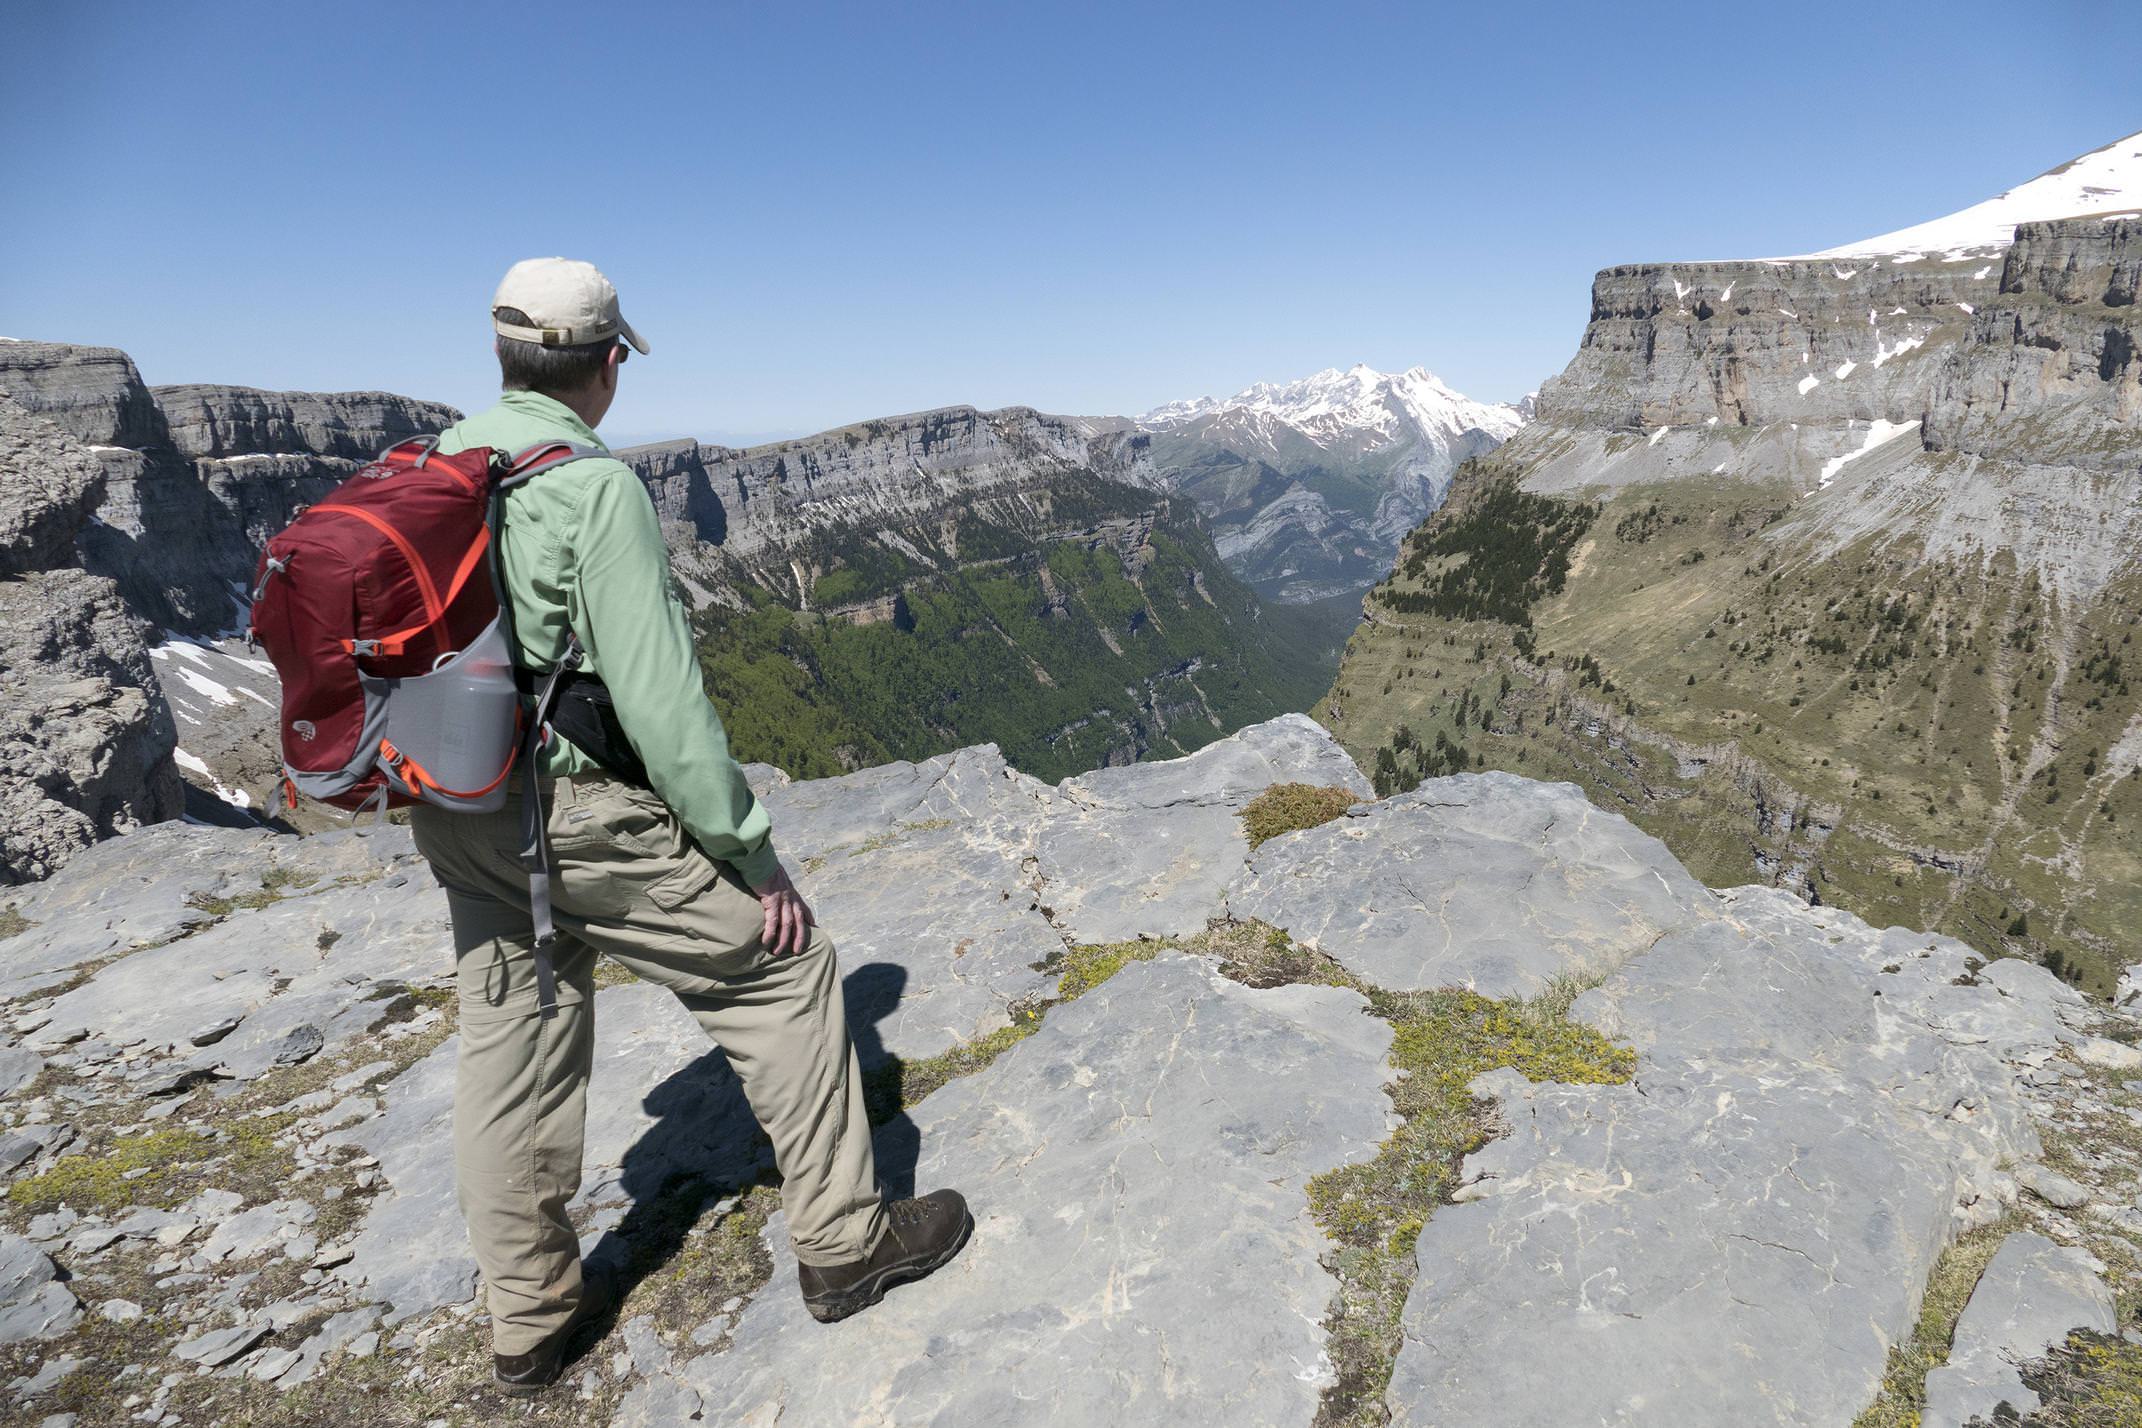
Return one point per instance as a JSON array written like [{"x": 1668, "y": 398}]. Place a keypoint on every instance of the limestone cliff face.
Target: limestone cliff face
[
  {"x": 216, "y": 421},
  {"x": 136, "y": 516},
  {"x": 85, "y": 736},
  {"x": 1852, "y": 554},
  {"x": 955, "y": 575},
  {"x": 196, "y": 476},
  {"x": 897, "y": 481},
  {"x": 262, "y": 455}
]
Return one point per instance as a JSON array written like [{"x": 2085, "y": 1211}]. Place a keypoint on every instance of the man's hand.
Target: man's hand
[{"x": 788, "y": 916}]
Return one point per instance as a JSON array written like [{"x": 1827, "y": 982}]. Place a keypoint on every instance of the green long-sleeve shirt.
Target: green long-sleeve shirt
[{"x": 583, "y": 551}]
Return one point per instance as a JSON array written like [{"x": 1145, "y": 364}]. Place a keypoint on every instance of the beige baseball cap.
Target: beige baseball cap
[{"x": 568, "y": 301}]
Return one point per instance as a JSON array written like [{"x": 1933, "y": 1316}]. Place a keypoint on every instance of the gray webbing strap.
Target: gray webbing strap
[{"x": 535, "y": 835}]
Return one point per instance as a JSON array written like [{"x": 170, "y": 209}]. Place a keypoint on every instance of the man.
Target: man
[{"x": 677, "y": 881}]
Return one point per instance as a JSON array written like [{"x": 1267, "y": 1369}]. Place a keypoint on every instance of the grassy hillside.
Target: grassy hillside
[
  {"x": 1124, "y": 639},
  {"x": 1934, "y": 744}
]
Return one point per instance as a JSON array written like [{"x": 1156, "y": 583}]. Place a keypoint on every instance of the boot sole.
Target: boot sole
[
  {"x": 832, "y": 1310},
  {"x": 523, "y": 1390}
]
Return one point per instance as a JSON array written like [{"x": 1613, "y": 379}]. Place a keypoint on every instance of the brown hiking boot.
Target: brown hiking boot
[
  {"x": 526, "y": 1375},
  {"x": 921, "y": 1236}
]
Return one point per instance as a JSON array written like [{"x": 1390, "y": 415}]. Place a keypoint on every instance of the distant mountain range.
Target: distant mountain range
[
  {"x": 1826, "y": 570},
  {"x": 904, "y": 586},
  {"x": 891, "y": 589},
  {"x": 1309, "y": 485}
]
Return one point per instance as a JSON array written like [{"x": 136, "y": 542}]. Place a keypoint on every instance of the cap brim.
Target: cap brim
[{"x": 624, "y": 329}]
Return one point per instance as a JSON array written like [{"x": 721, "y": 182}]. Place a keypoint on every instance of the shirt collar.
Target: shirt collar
[{"x": 553, "y": 412}]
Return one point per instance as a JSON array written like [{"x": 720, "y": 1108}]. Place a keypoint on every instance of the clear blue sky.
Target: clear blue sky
[{"x": 819, "y": 214}]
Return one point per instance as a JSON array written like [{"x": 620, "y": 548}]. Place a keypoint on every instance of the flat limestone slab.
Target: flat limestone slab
[
  {"x": 661, "y": 1102},
  {"x": 1486, "y": 881},
  {"x": 1150, "y": 848},
  {"x": 1143, "y": 1251},
  {"x": 1738, "y": 1236},
  {"x": 142, "y": 889},
  {"x": 2031, "y": 1295},
  {"x": 922, "y": 873},
  {"x": 273, "y": 984}
]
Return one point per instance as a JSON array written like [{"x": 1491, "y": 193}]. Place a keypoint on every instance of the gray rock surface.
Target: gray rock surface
[
  {"x": 2030, "y": 1296},
  {"x": 150, "y": 887},
  {"x": 33, "y": 1305},
  {"x": 52, "y": 484},
  {"x": 19, "y": 1066},
  {"x": 298, "y": 974},
  {"x": 1799, "y": 1143},
  {"x": 2057, "y": 1190},
  {"x": 218, "y": 1347},
  {"x": 1151, "y": 848},
  {"x": 1132, "y": 1166},
  {"x": 1739, "y": 1235},
  {"x": 1448, "y": 886},
  {"x": 922, "y": 872}
]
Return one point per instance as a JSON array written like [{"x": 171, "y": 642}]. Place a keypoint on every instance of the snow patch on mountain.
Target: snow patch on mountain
[{"x": 2102, "y": 182}]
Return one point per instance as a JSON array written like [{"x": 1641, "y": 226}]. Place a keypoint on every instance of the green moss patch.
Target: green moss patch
[
  {"x": 1291, "y": 807},
  {"x": 1375, "y": 1211},
  {"x": 129, "y": 1171}
]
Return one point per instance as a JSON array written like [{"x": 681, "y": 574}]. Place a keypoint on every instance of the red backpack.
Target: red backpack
[
  {"x": 382, "y": 610},
  {"x": 396, "y": 656}
]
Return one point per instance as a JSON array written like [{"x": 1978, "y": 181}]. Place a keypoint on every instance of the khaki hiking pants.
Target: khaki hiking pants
[{"x": 627, "y": 881}]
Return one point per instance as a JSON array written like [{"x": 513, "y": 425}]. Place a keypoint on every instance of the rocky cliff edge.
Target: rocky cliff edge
[{"x": 1468, "y": 1104}]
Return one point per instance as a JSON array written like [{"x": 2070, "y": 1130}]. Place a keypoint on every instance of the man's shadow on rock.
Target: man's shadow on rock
[
  {"x": 705, "y": 1146},
  {"x": 872, "y": 993}
]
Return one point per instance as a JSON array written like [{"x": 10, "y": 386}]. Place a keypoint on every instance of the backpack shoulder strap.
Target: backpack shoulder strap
[{"x": 531, "y": 461}]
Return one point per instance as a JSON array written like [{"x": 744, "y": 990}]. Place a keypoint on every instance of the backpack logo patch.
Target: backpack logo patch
[{"x": 304, "y": 730}]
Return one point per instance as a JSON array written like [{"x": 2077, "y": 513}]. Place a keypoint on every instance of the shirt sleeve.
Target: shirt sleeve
[{"x": 635, "y": 630}]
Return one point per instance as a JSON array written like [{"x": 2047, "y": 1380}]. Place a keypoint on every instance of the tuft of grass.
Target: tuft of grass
[
  {"x": 276, "y": 879},
  {"x": 2091, "y": 1381},
  {"x": 1374, "y": 1212},
  {"x": 1089, "y": 964},
  {"x": 1259, "y": 955},
  {"x": 13, "y": 923},
  {"x": 275, "y": 884},
  {"x": 1948, "y": 1289},
  {"x": 1291, "y": 807},
  {"x": 174, "y": 1162},
  {"x": 893, "y": 1085}
]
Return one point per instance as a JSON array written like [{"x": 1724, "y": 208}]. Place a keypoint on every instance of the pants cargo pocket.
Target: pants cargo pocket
[{"x": 694, "y": 874}]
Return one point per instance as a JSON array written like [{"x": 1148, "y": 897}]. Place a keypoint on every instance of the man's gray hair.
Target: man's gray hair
[{"x": 532, "y": 367}]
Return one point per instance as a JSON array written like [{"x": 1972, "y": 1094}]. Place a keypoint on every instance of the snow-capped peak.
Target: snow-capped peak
[
  {"x": 2103, "y": 181},
  {"x": 1359, "y": 401}
]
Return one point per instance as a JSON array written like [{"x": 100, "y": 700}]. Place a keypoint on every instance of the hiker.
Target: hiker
[{"x": 660, "y": 858}]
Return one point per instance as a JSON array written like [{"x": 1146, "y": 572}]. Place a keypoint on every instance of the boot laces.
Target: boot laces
[{"x": 911, "y": 1212}]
